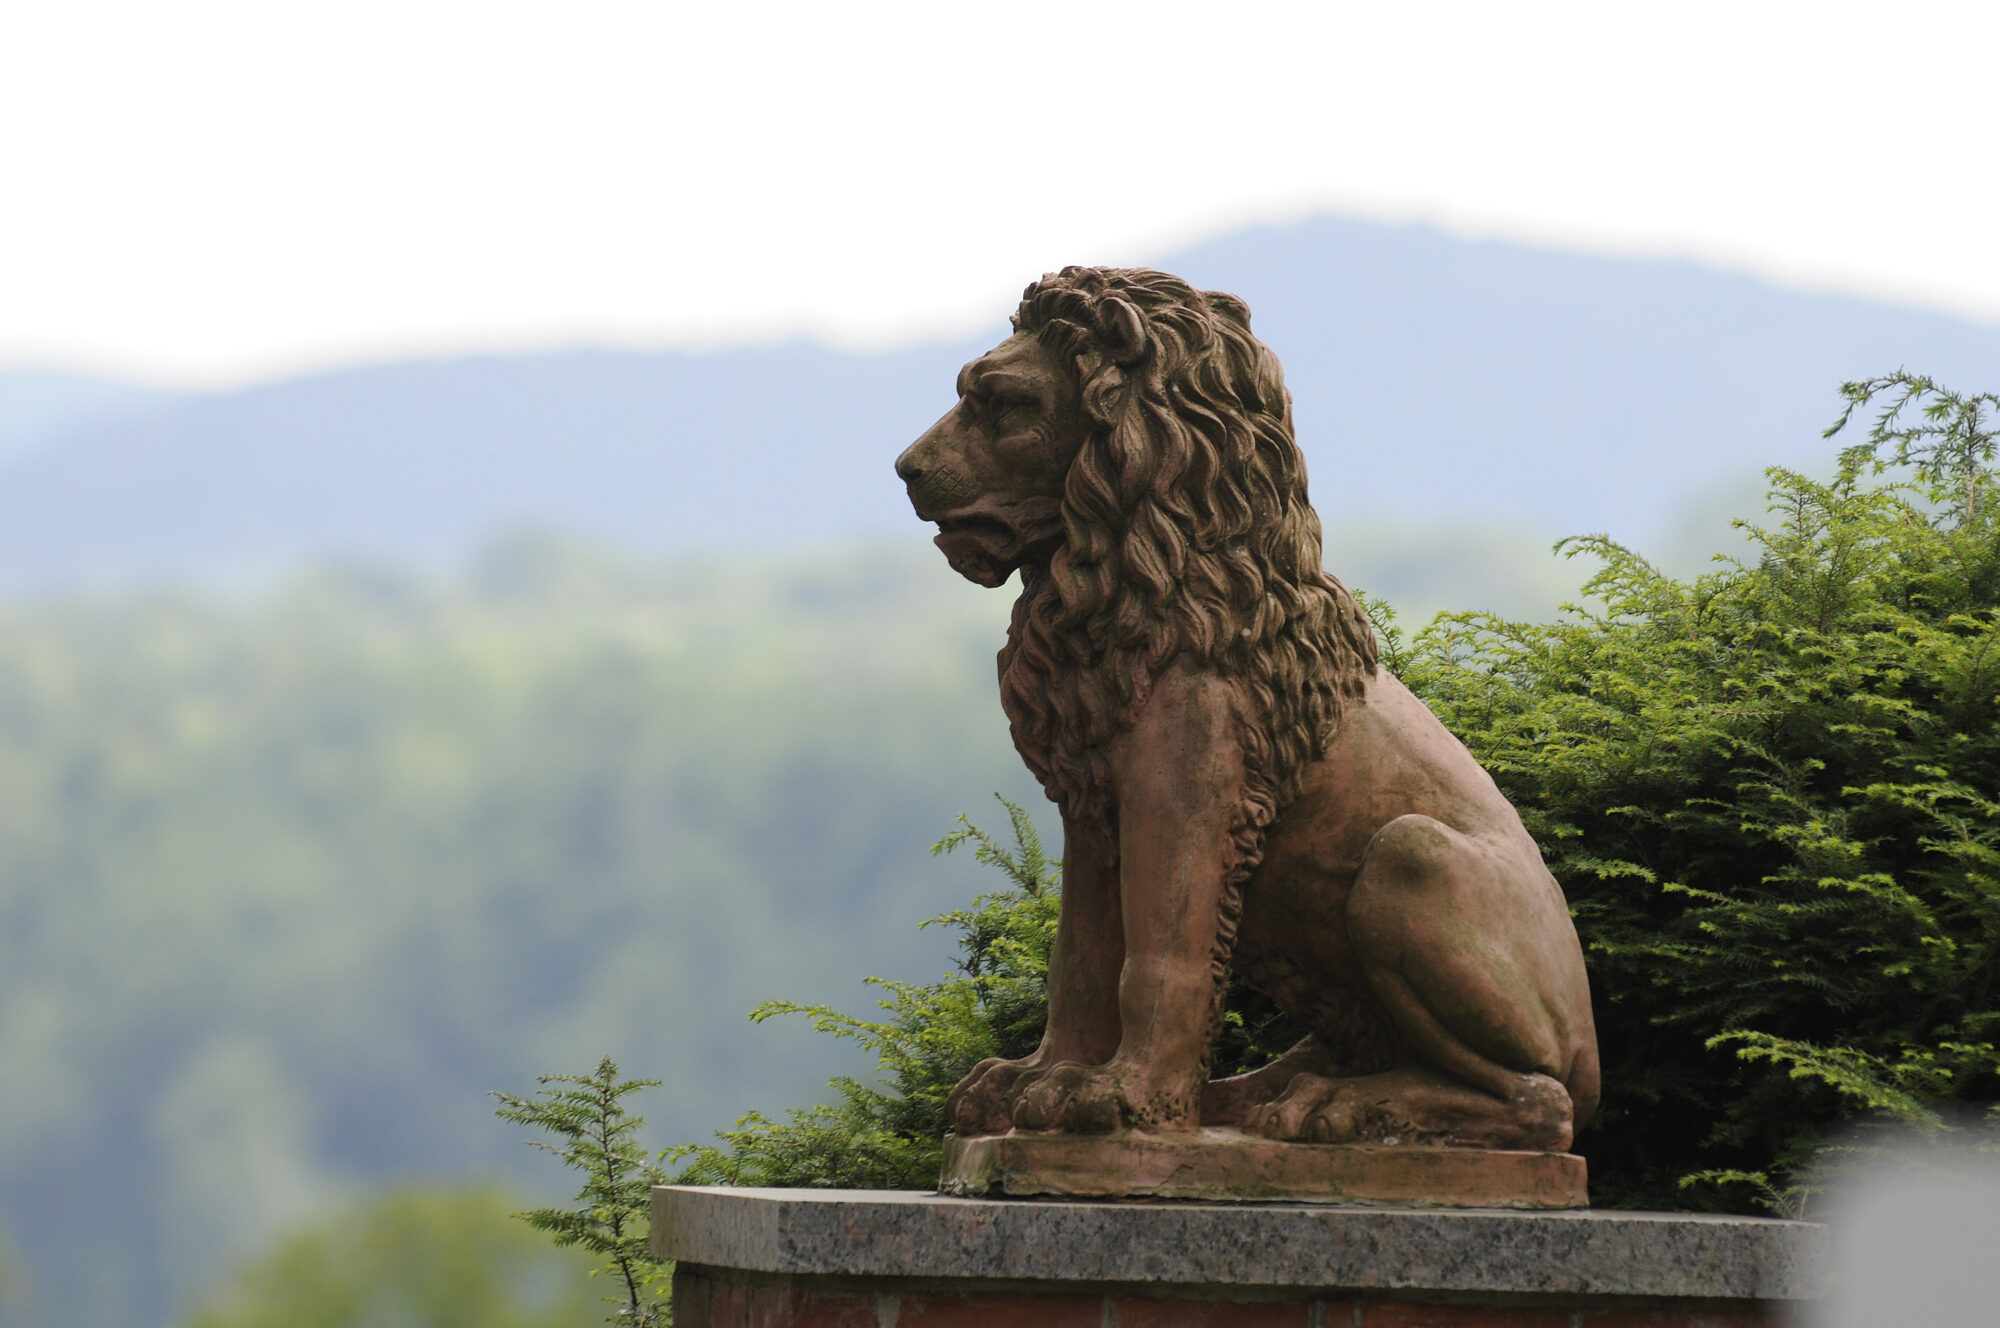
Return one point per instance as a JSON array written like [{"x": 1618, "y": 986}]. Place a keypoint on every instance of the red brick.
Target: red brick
[
  {"x": 1680, "y": 1319},
  {"x": 1000, "y": 1311},
  {"x": 1403, "y": 1314},
  {"x": 1210, "y": 1314},
  {"x": 691, "y": 1303},
  {"x": 789, "y": 1307},
  {"x": 700, "y": 1302}
]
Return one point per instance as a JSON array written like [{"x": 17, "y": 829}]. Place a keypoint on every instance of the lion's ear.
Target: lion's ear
[
  {"x": 1121, "y": 330},
  {"x": 1102, "y": 392}
]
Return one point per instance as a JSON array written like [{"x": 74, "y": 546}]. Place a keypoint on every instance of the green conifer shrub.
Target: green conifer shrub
[
  {"x": 887, "y": 1134},
  {"x": 1772, "y": 794}
]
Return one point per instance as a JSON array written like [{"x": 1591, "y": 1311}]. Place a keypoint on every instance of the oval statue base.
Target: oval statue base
[{"x": 1228, "y": 1164}]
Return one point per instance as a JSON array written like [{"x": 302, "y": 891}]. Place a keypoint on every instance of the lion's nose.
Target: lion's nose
[{"x": 908, "y": 467}]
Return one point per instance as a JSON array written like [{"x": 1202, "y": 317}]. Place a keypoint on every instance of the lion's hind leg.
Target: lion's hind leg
[
  {"x": 1240, "y": 1098},
  {"x": 1468, "y": 948},
  {"x": 1416, "y": 1105}
]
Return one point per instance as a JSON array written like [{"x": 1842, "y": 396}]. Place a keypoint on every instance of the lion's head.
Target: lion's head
[
  {"x": 991, "y": 472},
  {"x": 1129, "y": 450}
]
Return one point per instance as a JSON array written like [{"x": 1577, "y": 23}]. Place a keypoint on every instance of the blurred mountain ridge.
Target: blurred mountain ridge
[
  {"x": 1437, "y": 380},
  {"x": 38, "y": 406}
]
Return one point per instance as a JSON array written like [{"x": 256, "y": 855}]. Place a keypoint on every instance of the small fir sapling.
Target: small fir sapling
[{"x": 587, "y": 1116}]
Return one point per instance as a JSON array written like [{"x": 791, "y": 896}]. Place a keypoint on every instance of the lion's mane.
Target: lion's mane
[{"x": 1185, "y": 532}]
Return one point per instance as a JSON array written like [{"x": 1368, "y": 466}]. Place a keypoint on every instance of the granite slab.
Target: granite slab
[{"x": 914, "y": 1235}]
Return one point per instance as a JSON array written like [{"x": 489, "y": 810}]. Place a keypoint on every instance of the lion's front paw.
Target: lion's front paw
[
  {"x": 1084, "y": 1099},
  {"x": 979, "y": 1105},
  {"x": 1098, "y": 1099}
]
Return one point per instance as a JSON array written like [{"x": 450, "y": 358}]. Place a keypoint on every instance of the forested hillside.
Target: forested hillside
[{"x": 291, "y": 882}]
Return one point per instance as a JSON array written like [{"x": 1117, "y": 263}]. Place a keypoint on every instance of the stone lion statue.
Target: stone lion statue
[{"x": 1243, "y": 787}]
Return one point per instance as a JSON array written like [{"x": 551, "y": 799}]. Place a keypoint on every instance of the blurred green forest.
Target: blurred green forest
[
  {"x": 290, "y": 881},
  {"x": 457, "y": 1259},
  {"x": 290, "y": 877}
]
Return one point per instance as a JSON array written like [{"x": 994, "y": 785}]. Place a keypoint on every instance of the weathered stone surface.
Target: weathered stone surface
[
  {"x": 1228, "y": 1164},
  {"x": 1573, "y": 1253}
]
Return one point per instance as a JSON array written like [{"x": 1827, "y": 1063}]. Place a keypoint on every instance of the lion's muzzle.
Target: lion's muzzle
[{"x": 935, "y": 491}]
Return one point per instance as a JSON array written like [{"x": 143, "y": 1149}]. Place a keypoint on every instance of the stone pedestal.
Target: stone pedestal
[
  {"x": 1228, "y": 1164},
  {"x": 894, "y": 1259}
]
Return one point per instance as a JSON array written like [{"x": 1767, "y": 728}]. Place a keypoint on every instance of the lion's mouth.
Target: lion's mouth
[
  {"x": 990, "y": 528},
  {"x": 979, "y": 548}
]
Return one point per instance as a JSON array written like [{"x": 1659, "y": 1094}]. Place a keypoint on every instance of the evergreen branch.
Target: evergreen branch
[{"x": 587, "y": 1115}]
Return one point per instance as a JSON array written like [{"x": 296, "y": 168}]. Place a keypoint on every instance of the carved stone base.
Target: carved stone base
[{"x": 1228, "y": 1164}]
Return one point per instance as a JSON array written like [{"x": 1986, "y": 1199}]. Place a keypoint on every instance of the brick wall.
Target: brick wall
[{"x": 705, "y": 1301}]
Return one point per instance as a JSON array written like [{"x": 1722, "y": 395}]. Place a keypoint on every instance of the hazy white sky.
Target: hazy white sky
[{"x": 211, "y": 191}]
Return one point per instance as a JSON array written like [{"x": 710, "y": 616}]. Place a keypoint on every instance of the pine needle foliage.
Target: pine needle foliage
[
  {"x": 587, "y": 1115},
  {"x": 887, "y": 1133},
  {"x": 1772, "y": 793}
]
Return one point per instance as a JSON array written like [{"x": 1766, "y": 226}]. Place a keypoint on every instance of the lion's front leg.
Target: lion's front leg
[
  {"x": 1083, "y": 996},
  {"x": 1179, "y": 785}
]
